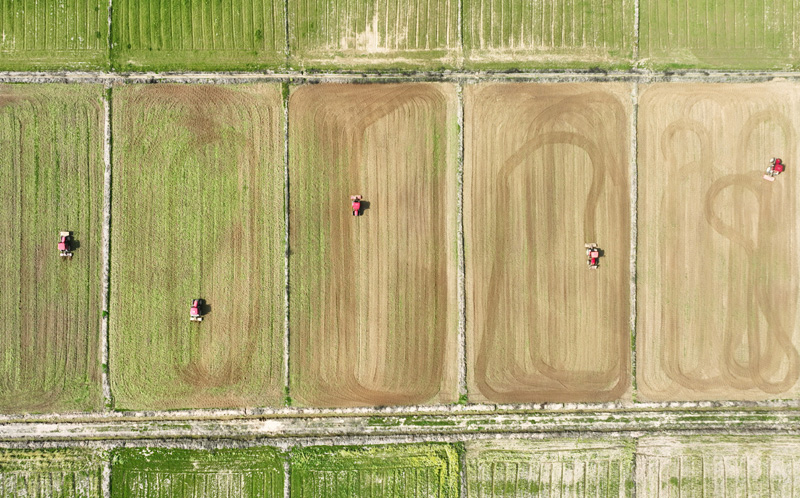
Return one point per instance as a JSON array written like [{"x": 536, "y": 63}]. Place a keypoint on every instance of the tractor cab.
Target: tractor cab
[
  {"x": 774, "y": 169},
  {"x": 356, "y": 204},
  {"x": 592, "y": 255},
  {"x": 195, "y": 312},
  {"x": 65, "y": 244}
]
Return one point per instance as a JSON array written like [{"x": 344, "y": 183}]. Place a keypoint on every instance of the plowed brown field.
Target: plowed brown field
[
  {"x": 373, "y": 298},
  {"x": 546, "y": 170},
  {"x": 718, "y": 270}
]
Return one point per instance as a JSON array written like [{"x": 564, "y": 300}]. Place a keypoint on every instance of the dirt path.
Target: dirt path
[
  {"x": 719, "y": 276},
  {"x": 546, "y": 171},
  {"x": 373, "y": 312}
]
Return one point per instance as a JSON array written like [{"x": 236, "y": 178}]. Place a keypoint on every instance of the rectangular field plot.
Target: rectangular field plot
[
  {"x": 545, "y": 172},
  {"x": 718, "y": 466},
  {"x": 398, "y": 470},
  {"x": 734, "y": 34},
  {"x": 179, "y": 473},
  {"x": 53, "y": 34},
  {"x": 61, "y": 473},
  {"x": 373, "y": 297},
  {"x": 717, "y": 273},
  {"x": 52, "y": 155},
  {"x": 342, "y": 34},
  {"x": 576, "y": 468},
  {"x": 198, "y": 35},
  {"x": 198, "y": 213},
  {"x": 548, "y": 33}
]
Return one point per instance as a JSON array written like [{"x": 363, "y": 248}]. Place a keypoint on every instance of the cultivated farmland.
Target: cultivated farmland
[
  {"x": 373, "y": 298},
  {"x": 737, "y": 34},
  {"x": 717, "y": 272},
  {"x": 197, "y": 213},
  {"x": 374, "y": 33},
  {"x": 178, "y": 473},
  {"x": 198, "y": 35},
  {"x": 53, "y": 34},
  {"x": 548, "y": 34},
  {"x": 718, "y": 466},
  {"x": 56, "y": 473},
  {"x": 51, "y": 152},
  {"x": 521, "y": 468},
  {"x": 398, "y": 470},
  {"x": 546, "y": 171}
]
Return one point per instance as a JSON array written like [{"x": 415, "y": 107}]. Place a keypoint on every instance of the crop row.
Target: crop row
[{"x": 397, "y": 34}]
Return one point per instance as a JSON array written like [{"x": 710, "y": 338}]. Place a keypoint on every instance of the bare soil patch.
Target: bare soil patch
[
  {"x": 718, "y": 272},
  {"x": 373, "y": 309},
  {"x": 546, "y": 171}
]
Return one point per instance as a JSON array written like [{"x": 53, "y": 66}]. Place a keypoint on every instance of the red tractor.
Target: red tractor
[
  {"x": 775, "y": 168},
  {"x": 196, "y": 311},
  {"x": 356, "y": 204},
  {"x": 592, "y": 255},
  {"x": 65, "y": 244}
]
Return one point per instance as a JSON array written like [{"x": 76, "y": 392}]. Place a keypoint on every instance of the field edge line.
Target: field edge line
[
  {"x": 461, "y": 290},
  {"x": 106, "y": 252},
  {"x": 286, "y": 344},
  {"x": 635, "y": 33},
  {"x": 287, "y": 476},
  {"x": 634, "y": 173},
  {"x": 105, "y": 478}
]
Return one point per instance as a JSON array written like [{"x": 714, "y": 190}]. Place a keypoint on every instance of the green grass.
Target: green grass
[
  {"x": 162, "y": 35},
  {"x": 374, "y": 34},
  {"x": 568, "y": 467},
  {"x": 53, "y": 34},
  {"x": 387, "y": 471},
  {"x": 51, "y": 151},
  {"x": 179, "y": 473},
  {"x": 52, "y": 473},
  {"x": 197, "y": 213},
  {"x": 542, "y": 34},
  {"x": 727, "y": 34}
]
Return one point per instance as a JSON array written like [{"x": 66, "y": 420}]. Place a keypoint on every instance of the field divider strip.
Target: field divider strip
[
  {"x": 105, "y": 478},
  {"x": 286, "y": 344},
  {"x": 462, "y": 302},
  {"x": 287, "y": 475},
  {"x": 634, "y": 173},
  {"x": 110, "y": 41},
  {"x": 106, "y": 250},
  {"x": 635, "y": 33}
]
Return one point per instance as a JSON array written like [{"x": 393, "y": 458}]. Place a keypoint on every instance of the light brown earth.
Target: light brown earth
[
  {"x": 717, "y": 267},
  {"x": 546, "y": 171},
  {"x": 373, "y": 299}
]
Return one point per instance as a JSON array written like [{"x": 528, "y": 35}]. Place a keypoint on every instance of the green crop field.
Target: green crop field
[
  {"x": 61, "y": 473},
  {"x": 507, "y": 34},
  {"x": 350, "y": 34},
  {"x": 735, "y": 34},
  {"x": 198, "y": 34},
  {"x": 389, "y": 471},
  {"x": 197, "y": 213},
  {"x": 578, "y": 468},
  {"x": 52, "y": 155},
  {"x": 53, "y": 34},
  {"x": 178, "y": 473},
  {"x": 718, "y": 466}
]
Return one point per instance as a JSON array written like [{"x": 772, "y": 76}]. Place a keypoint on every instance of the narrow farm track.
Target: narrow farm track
[
  {"x": 212, "y": 230},
  {"x": 719, "y": 287},
  {"x": 373, "y": 298},
  {"x": 51, "y": 141},
  {"x": 546, "y": 175}
]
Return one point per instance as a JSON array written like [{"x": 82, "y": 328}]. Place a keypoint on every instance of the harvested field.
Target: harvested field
[
  {"x": 178, "y": 473},
  {"x": 215, "y": 35},
  {"x": 52, "y": 154},
  {"x": 53, "y": 34},
  {"x": 58, "y": 473},
  {"x": 197, "y": 213},
  {"x": 718, "y": 466},
  {"x": 730, "y": 34},
  {"x": 546, "y": 171},
  {"x": 373, "y": 311},
  {"x": 718, "y": 277},
  {"x": 351, "y": 34},
  {"x": 569, "y": 467},
  {"x": 389, "y": 471},
  {"x": 507, "y": 34}
]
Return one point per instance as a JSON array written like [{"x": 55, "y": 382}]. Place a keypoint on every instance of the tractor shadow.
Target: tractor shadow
[
  {"x": 74, "y": 244},
  {"x": 364, "y": 207},
  {"x": 205, "y": 308}
]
